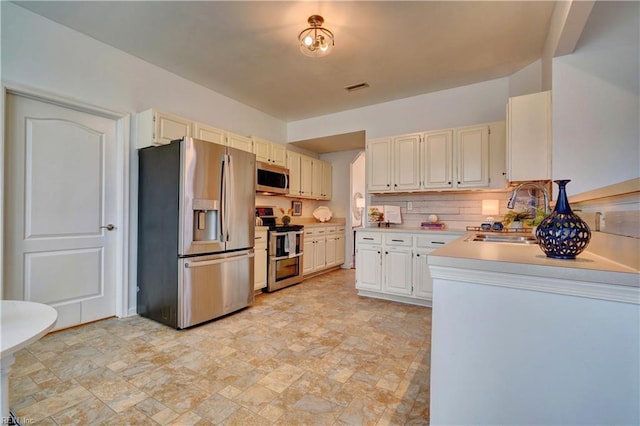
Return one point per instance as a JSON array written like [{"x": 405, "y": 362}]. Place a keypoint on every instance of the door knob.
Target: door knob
[{"x": 108, "y": 227}]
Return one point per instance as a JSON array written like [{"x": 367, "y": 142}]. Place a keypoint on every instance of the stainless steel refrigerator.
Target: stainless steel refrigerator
[{"x": 196, "y": 221}]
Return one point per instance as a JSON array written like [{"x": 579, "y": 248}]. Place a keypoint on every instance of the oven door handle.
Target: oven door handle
[
  {"x": 277, "y": 234},
  {"x": 287, "y": 256}
]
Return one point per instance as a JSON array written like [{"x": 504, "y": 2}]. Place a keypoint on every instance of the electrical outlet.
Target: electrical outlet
[{"x": 409, "y": 205}]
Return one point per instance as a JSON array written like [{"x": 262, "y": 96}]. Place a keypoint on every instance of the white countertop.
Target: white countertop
[{"x": 524, "y": 259}]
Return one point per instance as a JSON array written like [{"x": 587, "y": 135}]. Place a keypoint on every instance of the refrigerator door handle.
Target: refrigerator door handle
[
  {"x": 229, "y": 195},
  {"x": 197, "y": 264},
  {"x": 223, "y": 200}
]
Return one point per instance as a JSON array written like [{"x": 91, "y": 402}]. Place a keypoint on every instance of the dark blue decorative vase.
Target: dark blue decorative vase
[{"x": 563, "y": 234}]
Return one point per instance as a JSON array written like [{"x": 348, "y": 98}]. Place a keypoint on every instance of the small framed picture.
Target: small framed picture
[{"x": 296, "y": 207}]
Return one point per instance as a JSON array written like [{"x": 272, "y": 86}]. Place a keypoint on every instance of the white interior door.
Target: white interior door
[{"x": 60, "y": 198}]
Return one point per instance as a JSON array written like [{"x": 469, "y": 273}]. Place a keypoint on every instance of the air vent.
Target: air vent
[{"x": 355, "y": 87}]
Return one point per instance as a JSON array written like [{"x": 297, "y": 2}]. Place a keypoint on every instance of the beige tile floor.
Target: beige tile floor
[{"x": 312, "y": 354}]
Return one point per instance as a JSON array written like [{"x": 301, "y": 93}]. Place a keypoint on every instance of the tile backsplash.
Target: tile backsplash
[{"x": 456, "y": 209}]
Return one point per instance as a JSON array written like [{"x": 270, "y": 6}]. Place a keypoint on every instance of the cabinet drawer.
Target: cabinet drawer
[
  {"x": 434, "y": 241},
  {"x": 398, "y": 240},
  {"x": 368, "y": 238},
  {"x": 331, "y": 229}
]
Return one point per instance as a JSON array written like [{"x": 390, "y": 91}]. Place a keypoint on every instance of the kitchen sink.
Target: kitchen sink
[{"x": 503, "y": 238}]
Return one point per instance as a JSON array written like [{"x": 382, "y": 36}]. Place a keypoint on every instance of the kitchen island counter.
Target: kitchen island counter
[
  {"x": 520, "y": 338},
  {"x": 528, "y": 259}
]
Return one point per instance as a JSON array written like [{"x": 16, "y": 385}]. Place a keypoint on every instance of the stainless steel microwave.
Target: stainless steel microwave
[{"x": 271, "y": 180}]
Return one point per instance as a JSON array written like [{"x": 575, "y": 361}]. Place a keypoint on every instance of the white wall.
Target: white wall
[
  {"x": 44, "y": 55},
  {"x": 596, "y": 108},
  {"x": 527, "y": 80},
  {"x": 340, "y": 203},
  {"x": 476, "y": 103}
]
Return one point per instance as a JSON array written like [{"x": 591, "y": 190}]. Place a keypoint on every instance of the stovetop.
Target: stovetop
[{"x": 269, "y": 219}]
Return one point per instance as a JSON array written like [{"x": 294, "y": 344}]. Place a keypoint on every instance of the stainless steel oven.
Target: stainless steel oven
[
  {"x": 285, "y": 256},
  {"x": 284, "y": 251}
]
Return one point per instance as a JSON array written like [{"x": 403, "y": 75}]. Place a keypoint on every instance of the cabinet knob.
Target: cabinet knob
[
  {"x": 449, "y": 183},
  {"x": 504, "y": 173},
  {"x": 417, "y": 254},
  {"x": 458, "y": 182},
  {"x": 386, "y": 252}
]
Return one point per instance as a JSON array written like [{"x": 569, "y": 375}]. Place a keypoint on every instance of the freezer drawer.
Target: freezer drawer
[{"x": 215, "y": 285}]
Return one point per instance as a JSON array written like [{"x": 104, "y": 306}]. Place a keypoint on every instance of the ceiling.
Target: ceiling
[{"x": 248, "y": 51}]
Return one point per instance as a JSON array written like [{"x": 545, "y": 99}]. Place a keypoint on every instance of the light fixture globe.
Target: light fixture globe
[{"x": 315, "y": 41}]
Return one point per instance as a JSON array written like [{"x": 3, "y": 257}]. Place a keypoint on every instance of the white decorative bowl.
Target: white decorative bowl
[{"x": 323, "y": 214}]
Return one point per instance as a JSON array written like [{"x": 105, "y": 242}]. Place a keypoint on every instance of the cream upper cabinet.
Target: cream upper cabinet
[
  {"x": 437, "y": 160},
  {"x": 472, "y": 152},
  {"x": 327, "y": 180},
  {"x": 378, "y": 164},
  {"x": 209, "y": 133},
  {"x": 244, "y": 143},
  {"x": 316, "y": 178},
  {"x": 529, "y": 137},
  {"x": 270, "y": 152},
  {"x": 306, "y": 176},
  {"x": 294, "y": 166},
  {"x": 279, "y": 154},
  {"x": 159, "y": 128},
  {"x": 406, "y": 162},
  {"x": 321, "y": 179}
]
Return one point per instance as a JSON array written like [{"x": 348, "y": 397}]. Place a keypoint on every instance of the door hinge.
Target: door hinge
[{"x": 489, "y": 130}]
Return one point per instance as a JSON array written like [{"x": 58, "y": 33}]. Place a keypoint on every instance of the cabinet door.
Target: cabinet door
[
  {"x": 327, "y": 180},
  {"x": 293, "y": 164},
  {"x": 529, "y": 137},
  {"x": 308, "y": 257},
  {"x": 406, "y": 156},
  {"x": 241, "y": 142},
  {"x": 306, "y": 173},
  {"x": 279, "y": 154},
  {"x": 320, "y": 253},
  {"x": 262, "y": 150},
  {"x": 330, "y": 250},
  {"x": 368, "y": 267},
  {"x": 378, "y": 159},
  {"x": 437, "y": 160},
  {"x": 316, "y": 178},
  {"x": 260, "y": 260},
  {"x": 340, "y": 249},
  {"x": 397, "y": 271},
  {"x": 422, "y": 283},
  {"x": 169, "y": 127},
  {"x": 209, "y": 133},
  {"x": 472, "y": 150}
]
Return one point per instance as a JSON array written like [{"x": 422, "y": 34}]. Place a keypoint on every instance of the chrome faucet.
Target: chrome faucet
[{"x": 514, "y": 195}]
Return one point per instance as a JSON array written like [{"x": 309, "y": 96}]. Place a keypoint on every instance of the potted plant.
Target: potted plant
[
  {"x": 514, "y": 218},
  {"x": 517, "y": 219}
]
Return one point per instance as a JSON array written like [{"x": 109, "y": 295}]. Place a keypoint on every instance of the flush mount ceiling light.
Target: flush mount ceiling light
[{"x": 315, "y": 41}]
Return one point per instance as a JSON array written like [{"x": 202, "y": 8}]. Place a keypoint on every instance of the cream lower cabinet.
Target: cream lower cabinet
[
  {"x": 260, "y": 259},
  {"x": 393, "y": 265},
  {"x": 323, "y": 248}
]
